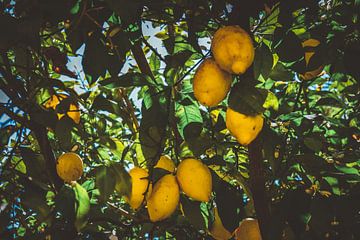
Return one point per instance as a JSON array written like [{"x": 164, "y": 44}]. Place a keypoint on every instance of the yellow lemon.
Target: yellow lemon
[
  {"x": 233, "y": 49},
  {"x": 166, "y": 163},
  {"x": 211, "y": 84},
  {"x": 164, "y": 198},
  {"x": 194, "y": 179},
  {"x": 248, "y": 229},
  {"x": 218, "y": 231},
  {"x": 244, "y": 128},
  {"x": 69, "y": 167},
  {"x": 310, "y": 73},
  {"x": 140, "y": 184},
  {"x": 73, "y": 111}
]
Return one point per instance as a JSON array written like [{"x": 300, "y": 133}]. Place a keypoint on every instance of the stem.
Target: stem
[
  {"x": 257, "y": 183},
  {"x": 241, "y": 17}
]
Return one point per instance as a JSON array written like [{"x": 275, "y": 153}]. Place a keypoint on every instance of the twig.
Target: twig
[
  {"x": 153, "y": 49},
  {"x": 191, "y": 69}
]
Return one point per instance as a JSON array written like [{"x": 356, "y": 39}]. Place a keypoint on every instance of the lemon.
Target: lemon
[
  {"x": 233, "y": 49},
  {"x": 164, "y": 198},
  {"x": 166, "y": 163},
  {"x": 69, "y": 167},
  {"x": 218, "y": 231},
  {"x": 248, "y": 229},
  {"x": 73, "y": 111},
  {"x": 310, "y": 73},
  {"x": 140, "y": 184},
  {"x": 211, "y": 84},
  {"x": 194, "y": 179},
  {"x": 244, "y": 128}
]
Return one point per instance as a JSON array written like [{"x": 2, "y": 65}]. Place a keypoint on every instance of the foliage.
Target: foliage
[{"x": 128, "y": 65}]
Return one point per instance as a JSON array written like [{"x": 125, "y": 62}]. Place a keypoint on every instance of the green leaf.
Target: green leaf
[
  {"x": 280, "y": 73},
  {"x": 347, "y": 170},
  {"x": 334, "y": 184},
  {"x": 82, "y": 206},
  {"x": 129, "y": 14},
  {"x": 35, "y": 163},
  {"x": 192, "y": 212},
  {"x": 105, "y": 182},
  {"x": 271, "y": 101},
  {"x": 101, "y": 103},
  {"x": 94, "y": 60},
  {"x": 190, "y": 121},
  {"x": 65, "y": 203},
  {"x": 229, "y": 202},
  {"x": 290, "y": 49},
  {"x": 5, "y": 134},
  {"x": 263, "y": 61},
  {"x": 153, "y": 125},
  {"x": 19, "y": 164},
  {"x": 123, "y": 180},
  {"x": 127, "y": 80},
  {"x": 63, "y": 132},
  {"x": 313, "y": 143},
  {"x": 154, "y": 62},
  {"x": 247, "y": 99}
]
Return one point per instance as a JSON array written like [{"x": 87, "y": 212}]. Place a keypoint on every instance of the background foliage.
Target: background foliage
[{"x": 129, "y": 67}]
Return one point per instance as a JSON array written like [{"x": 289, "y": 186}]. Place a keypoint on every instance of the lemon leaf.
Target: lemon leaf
[
  {"x": 271, "y": 101},
  {"x": 82, "y": 206}
]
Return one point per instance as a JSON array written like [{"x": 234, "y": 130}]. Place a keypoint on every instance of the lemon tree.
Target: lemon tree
[{"x": 179, "y": 119}]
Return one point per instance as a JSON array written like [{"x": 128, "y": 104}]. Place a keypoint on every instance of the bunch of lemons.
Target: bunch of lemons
[
  {"x": 233, "y": 53},
  {"x": 191, "y": 177}
]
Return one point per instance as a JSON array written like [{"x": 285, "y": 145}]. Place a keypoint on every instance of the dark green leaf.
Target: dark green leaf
[
  {"x": 263, "y": 61},
  {"x": 290, "y": 49},
  {"x": 189, "y": 120},
  {"x": 192, "y": 212},
  {"x": 229, "y": 203},
  {"x": 65, "y": 203},
  {"x": 313, "y": 143},
  {"x": 280, "y": 73},
  {"x": 95, "y": 57},
  {"x": 105, "y": 181},
  {"x": 123, "y": 180},
  {"x": 153, "y": 125},
  {"x": 247, "y": 99},
  {"x": 127, "y": 80},
  {"x": 63, "y": 132}
]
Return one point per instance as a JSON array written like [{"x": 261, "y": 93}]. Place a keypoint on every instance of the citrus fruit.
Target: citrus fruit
[
  {"x": 309, "y": 53},
  {"x": 218, "y": 231},
  {"x": 211, "y": 84},
  {"x": 164, "y": 198},
  {"x": 139, "y": 186},
  {"x": 244, "y": 128},
  {"x": 73, "y": 111},
  {"x": 166, "y": 163},
  {"x": 194, "y": 179},
  {"x": 233, "y": 49},
  {"x": 69, "y": 167},
  {"x": 248, "y": 229}
]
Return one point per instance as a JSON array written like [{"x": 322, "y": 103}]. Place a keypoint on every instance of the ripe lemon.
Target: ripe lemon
[
  {"x": 218, "y": 231},
  {"x": 69, "y": 167},
  {"x": 73, "y": 111},
  {"x": 211, "y": 84},
  {"x": 244, "y": 128},
  {"x": 164, "y": 198},
  {"x": 233, "y": 49},
  {"x": 310, "y": 73},
  {"x": 248, "y": 229},
  {"x": 194, "y": 179},
  {"x": 166, "y": 163},
  {"x": 140, "y": 182}
]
